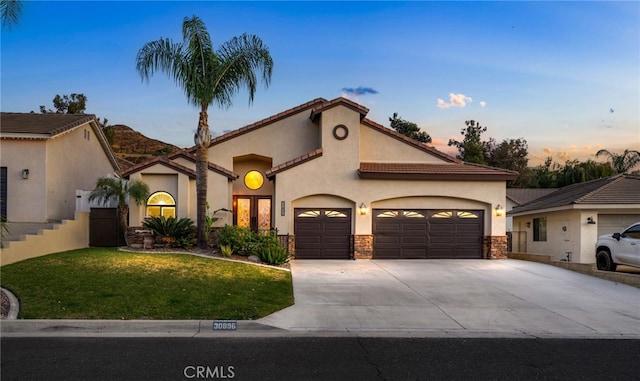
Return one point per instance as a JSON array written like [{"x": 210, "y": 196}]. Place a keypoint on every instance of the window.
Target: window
[
  {"x": 253, "y": 180},
  {"x": 632, "y": 232},
  {"x": 540, "y": 229},
  {"x": 161, "y": 204}
]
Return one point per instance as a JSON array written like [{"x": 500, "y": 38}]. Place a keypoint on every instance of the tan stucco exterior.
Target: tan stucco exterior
[
  {"x": 58, "y": 166},
  {"x": 306, "y": 165}
]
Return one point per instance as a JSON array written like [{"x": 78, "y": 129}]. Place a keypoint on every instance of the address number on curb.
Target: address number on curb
[{"x": 225, "y": 325}]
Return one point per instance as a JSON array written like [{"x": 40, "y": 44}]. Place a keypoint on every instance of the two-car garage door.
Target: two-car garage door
[
  {"x": 325, "y": 233},
  {"x": 425, "y": 233}
]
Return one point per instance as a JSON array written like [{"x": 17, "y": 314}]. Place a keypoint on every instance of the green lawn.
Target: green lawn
[{"x": 109, "y": 284}]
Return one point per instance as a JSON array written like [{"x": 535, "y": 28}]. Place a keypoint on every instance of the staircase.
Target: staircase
[{"x": 29, "y": 240}]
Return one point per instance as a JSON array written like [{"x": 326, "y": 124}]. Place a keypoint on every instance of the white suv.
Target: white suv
[{"x": 619, "y": 249}]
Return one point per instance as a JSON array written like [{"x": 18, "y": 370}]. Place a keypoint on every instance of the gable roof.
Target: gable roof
[
  {"x": 293, "y": 163},
  {"x": 425, "y": 171},
  {"x": 620, "y": 189},
  {"x": 317, "y": 110},
  {"x": 167, "y": 161},
  {"x": 521, "y": 196},
  {"x": 32, "y": 126}
]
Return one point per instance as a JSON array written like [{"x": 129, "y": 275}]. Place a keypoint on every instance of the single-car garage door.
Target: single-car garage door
[
  {"x": 426, "y": 233},
  {"x": 615, "y": 223},
  {"x": 322, "y": 233}
]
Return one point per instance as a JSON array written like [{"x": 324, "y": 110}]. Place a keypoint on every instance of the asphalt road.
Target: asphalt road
[{"x": 308, "y": 358}]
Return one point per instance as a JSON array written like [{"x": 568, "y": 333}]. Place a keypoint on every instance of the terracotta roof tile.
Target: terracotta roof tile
[
  {"x": 425, "y": 171},
  {"x": 212, "y": 167},
  {"x": 317, "y": 110},
  {"x": 168, "y": 162},
  {"x": 619, "y": 189},
  {"x": 405, "y": 139},
  {"x": 41, "y": 124},
  {"x": 293, "y": 163}
]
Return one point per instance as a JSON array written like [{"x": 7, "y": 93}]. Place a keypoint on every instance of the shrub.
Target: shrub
[
  {"x": 177, "y": 232},
  {"x": 274, "y": 254},
  {"x": 241, "y": 239}
]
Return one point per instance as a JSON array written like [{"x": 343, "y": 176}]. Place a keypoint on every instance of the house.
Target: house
[
  {"x": 44, "y": 159},
  {"x": 339, "y": 185},
  {"x": 521, "y": 196},
  {"x": 567, "y": 222}
]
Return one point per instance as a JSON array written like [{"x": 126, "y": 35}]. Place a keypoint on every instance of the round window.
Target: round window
[
  {"x": 253, "y": 180},
  {"x": 340, "y": 132}
]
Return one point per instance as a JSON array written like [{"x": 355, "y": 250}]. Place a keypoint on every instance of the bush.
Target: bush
[
  {"x": 226, "y": 250},
  {"x": 274, "y": 254},
  {"x": 177, "y": 232}
]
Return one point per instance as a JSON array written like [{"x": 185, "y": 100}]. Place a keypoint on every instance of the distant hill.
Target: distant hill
[{"x": 131, "y": 147}]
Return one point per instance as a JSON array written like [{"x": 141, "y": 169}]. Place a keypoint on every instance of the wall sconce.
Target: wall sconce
[
  {"x": 528, "y": 224},
  {"x": 25, "y": 174},
  {"x": 590, "y": 221},
  {"x": 499, "y": 210},
  {"x": 363, "y": 209}
]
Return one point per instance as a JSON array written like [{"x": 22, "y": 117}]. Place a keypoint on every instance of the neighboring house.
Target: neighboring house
[
  {"x": 521, "y": 196},
  {"x": 566, "y": 223},
  {"x": 340, "y": 186},
  {"x": 44, "y": 159}
]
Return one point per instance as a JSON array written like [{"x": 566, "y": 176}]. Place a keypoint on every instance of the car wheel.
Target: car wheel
[{"x": 604, "y": 261}]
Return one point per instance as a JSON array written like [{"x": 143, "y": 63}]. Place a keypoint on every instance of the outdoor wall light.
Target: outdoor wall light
[
  {"x": 499, "y": 210},
  {"x": 25, "y": 174},
  {"x": 590, "y": 221},
  {"x": 528, "y": 224},
  {"x": 363, "y": 209}
]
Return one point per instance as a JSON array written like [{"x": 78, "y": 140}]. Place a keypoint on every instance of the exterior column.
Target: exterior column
[
  {"x": 363, "y": 246},
  {"x": 494, "y": 247}
]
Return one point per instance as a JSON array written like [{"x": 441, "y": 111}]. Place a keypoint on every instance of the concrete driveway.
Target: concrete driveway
[{"x": 465, "y": 298}]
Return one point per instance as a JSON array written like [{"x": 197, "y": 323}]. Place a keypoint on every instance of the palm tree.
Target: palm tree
[
  {"x": 621, "y": 163},
  {"x": 117, "y": 189},
  {"x": 207, "y": 77},
  {"x": 10, "y": 11}
]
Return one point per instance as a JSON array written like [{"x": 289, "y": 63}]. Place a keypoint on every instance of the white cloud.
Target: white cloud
[
  {"x": 455, "y": 100},
  {"x": 483, "y": 103}
]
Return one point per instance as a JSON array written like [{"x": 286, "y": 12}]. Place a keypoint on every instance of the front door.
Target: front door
[{"x": 253, "y": 212}]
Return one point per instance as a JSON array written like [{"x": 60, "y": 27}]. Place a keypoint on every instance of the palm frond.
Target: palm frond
[
  {"x": 10, "y": 11},
  {"x": 239, "y": 60}
]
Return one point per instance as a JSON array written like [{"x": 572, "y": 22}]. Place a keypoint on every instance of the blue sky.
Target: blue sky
[{"x": 563, "y": 75}]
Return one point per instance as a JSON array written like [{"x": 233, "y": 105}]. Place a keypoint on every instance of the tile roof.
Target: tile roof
[
  {"x": 521, "y": 196},
  {"x": 317, "y": 110},
  {"x": 425, "y": 171},
  {"x": 264, "y": 122},
  {"x": 619, "y": 189},
  {"x": 405, "y": 139},
  {"x": 15, "y": 125},
  {"x": 293, "y": 163},
  {"x": 167, "y": 161}
]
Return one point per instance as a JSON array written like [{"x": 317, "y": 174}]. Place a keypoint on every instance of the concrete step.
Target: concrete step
[{"x": 18, "y": 230}]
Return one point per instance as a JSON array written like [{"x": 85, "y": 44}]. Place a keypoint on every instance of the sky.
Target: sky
[{"x": 565, "y": 76}]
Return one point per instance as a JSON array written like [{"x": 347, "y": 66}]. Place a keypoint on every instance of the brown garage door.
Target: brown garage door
[
  {"x": 425, "y": 233},
  {"x": 322, "y": 233}
]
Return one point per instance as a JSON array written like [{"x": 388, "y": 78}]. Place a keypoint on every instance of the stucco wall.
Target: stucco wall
[
  {"x": 75, "y": 160},
  {"x": 26, "y": 199},
  {"x": 283, "y": 140},
  {"x": 372, "y": 140},
  {"x": 70, "y": 235},
  {"x": 579, "y": 237}
]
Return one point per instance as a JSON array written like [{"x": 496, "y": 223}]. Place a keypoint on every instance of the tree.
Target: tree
[
  {"x": 10, "y": 12},
  {"x": 117, "y": 189},
  {"x": 511, "y": 154},
  {"x": 67, "y": 104},
  {"x": 409, "y": 129},
  {"x": 206, "y": 77},
  {"x": 471, "y": 148},
  {"x": 621, "y": 163}
]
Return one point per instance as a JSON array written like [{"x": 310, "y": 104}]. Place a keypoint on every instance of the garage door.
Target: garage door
[
  {"x": 425, "y": 233},
  {"x": 322, "y": 233},
  {"x": 615, "y": 223}
]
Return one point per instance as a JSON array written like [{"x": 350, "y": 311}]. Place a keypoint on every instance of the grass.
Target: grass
[{"x": 108, "y": 284}]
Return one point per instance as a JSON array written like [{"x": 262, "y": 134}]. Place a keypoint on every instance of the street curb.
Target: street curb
[{"x": 14, "y": 305}]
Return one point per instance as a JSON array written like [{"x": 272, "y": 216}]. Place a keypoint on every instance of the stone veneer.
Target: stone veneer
[
  {"x": 494, "y": 247},
  {"x": 363, "y": 246}
]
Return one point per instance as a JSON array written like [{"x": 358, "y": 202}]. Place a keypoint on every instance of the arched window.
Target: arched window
[{"x": 161, "y": 204}]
